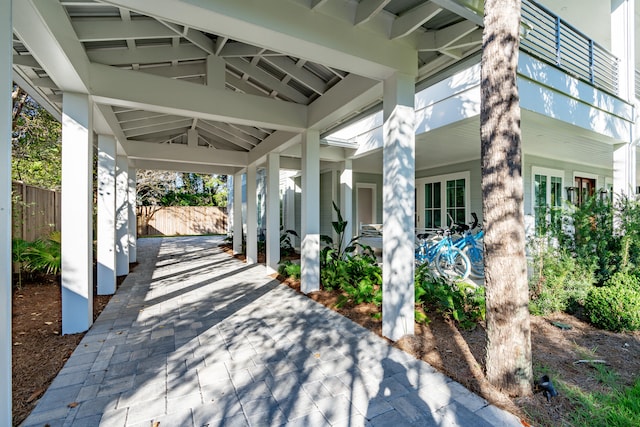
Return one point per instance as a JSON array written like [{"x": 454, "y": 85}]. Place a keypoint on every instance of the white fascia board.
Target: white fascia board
[
  {"x": 558, "y": 80},
  {"x": 291, "y": 28},
  {"x": 44, "y": 28},
  {"x": 350, "y": 94},
  {"x": 139, "y": 150},
  {"x": 132, "y": 89},
  {"x": 184, "y": 167}
]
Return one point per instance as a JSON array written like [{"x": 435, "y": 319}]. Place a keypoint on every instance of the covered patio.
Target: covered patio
[{"x": 195, "y": 337}]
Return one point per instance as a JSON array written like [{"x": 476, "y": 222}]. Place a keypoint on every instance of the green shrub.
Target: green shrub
[
  {"x": 460, "y": 301},
  {"x": 614, "y": 308},
  {"x": 44, "y": 255},
  {"x": 624, "y": 280},
  {"x": 559, "y": 282},
  {"x": 289, "y": 269}
]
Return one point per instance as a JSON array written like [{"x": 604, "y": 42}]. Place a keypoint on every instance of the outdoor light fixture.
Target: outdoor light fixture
[
  {"x": 603, "y": 193},
  {"x": 572, "y": 194}
]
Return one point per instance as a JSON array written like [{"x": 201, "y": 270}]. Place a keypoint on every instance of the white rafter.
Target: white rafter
[
  {"x": 368, "y": 8},
  {"x": 414, "y": 18}
]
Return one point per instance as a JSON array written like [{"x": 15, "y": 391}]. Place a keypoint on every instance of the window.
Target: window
[
  {"x": 440, "y": 196},
  {"x": 547, "y": 198}
]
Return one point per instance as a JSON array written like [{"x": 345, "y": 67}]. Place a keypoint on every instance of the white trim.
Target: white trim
[
  {"x": 537, "y": 170},
  {"x": 374, "y": 200},
  {"x": 420, "y": 202}
]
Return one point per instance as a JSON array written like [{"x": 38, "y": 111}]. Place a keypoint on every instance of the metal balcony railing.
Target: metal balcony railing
[
  {"x": 637, "y": 83},
  {"x": 550, "y": 38}
]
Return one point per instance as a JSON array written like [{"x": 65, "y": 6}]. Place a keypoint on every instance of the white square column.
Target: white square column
[
  {"x": 273, "y": 212},
  {"x": 252, "y": 215},
  {"x": 122, "y": 216},
  {"x": 237, "y": 213},
  {"x": 310, "y": 248},
  {"x": 6, "y": 44},
  {"x": 77, "y": 203},
  {"x": 346, "y": 199},
  {"x": 398, "y": 194},
  {"x": 106, "y": 226},
  {"x": 624, "y": 169},
  {"x": 133, "y": 220}
]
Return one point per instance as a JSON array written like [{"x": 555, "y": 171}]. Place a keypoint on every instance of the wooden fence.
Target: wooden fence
[
  {"x": 35, "y": 211},
  {"x": 181, "y": 220}
]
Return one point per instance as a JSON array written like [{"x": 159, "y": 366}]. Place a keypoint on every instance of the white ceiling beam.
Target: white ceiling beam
[
  {"x": 182, "y": 153},
  {"x": 441, "y": 39},
  {"x": 194, "y": 36},
  {"x": 244, "y": 86},
  {"x": 414, "y": 18},
  {"x": 99, "y": 29},
  {"x": 107, "y": 113},
  {"x": 291, "y": 28},
  {"x": 350, "y": 94},
  {"x": 305, "y": 77},
  {"x": 249, "y": 130},
  {"x": 150, "y": 122},
  {"x": 36, "y": 93},
  {"x": 177, "y": 71},
  {"x": 368, "y": 8},
  {"x": 131, "y": 89},
  {"x": 461, "y": 10},
  {"x": 317, "y": 3},
  {"x": 128, "y": 116},
  {"x": 267, "y": 79},
  {"x": 184, "y": 167},
  {"x": 26, "y": 61},
  {"x": 44, "y": 82},
  {"x": 241, "y": 50},
  {"x": 217, "y": 131},
  {"x": 181, "y": 125},
  {"x": 236, "y": 133},
  {"x": 42, "y": 27},
  {"x": 274, "y": 143},
  {"x": 146, "y": 54}
]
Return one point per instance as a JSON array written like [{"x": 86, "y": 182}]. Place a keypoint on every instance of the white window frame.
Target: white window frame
[
  {"x": 420, "y": 202},
  {"x": 548, "y": 172}
]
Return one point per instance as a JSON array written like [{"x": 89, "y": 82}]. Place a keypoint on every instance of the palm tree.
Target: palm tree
[{"x": 508, "y": 361}]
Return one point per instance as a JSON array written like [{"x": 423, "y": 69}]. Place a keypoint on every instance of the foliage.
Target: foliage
[
  {"x": 286, "y": 244},
  {"x": 614, "y": 308},
  {"x": 356, "y": 274},
  {"x": 36, "y": 150},
  {"x": 163, "y": 188},
  {"x": 289, "y": 269},
  {"x": 624, "y": 280},
  {"x": 460, "y": 301},
  {"x": 40, "y": 256},
  {"x": 558, "y": 282},
  {"x": 613, "y": 406}
]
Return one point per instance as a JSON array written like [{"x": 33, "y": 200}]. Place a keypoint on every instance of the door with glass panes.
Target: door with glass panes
[{"x": 440, "y": 198}]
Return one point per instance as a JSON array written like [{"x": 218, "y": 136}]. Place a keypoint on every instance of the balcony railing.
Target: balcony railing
[
  {"x": 550, "y": 38},
  {"x": 637, "y": 84}
]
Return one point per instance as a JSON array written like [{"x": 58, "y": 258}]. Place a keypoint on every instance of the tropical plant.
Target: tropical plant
[{"x": 44, "y": 255}]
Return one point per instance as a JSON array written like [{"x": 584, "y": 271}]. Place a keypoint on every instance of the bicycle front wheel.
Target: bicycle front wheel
[
  {"x": 452, "y": 263},
  {"x": 477, "y": 261}
]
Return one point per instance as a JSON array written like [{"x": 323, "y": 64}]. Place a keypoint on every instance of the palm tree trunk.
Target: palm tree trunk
[{"x": 508, "y": 361}]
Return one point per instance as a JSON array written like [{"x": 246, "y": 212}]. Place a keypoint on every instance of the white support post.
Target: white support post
[
  {"x": 399, "y": 207},
  {"x": 346, "y": 199},
  {"x": 624, "y": 166},
  {"x": 6, "y": 50},
  {"x": 106, "y": 215},
  {"x": 252, "y": 215},
  {"x": 77, "y": 202},
  {"x": 273, "y": 212},
  {"x": 133, "y": 220},
  {"x": 122, "y": 216},
  {"x": 310, "y": 250},
  {"x": 623, "y": 45},
  {"x": 237, "y": 213}
]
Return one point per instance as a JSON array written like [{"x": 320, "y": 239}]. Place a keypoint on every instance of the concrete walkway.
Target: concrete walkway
[{"x": 194, "y": 337}]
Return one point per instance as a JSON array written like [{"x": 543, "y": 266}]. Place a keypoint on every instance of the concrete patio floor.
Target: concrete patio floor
[{"x": 194, "y": 337}]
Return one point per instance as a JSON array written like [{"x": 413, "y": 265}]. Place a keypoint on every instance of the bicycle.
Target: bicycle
[
  {"x": 449, "y": 261},
  {"x": 470, "y": 244}
]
